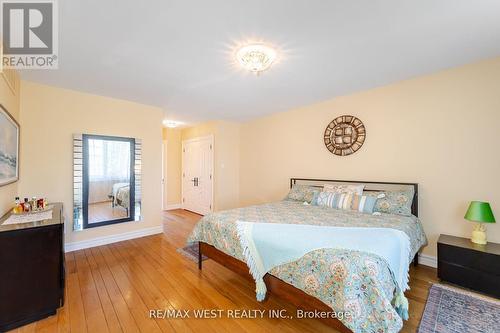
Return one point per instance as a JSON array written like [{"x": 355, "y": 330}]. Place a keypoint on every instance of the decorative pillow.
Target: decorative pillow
[
  {"x": 302, "y": 193},
  {"x": 347, "y": 201},
  {"x": 314, "y": 200},
  {"x": 395, "y": 202},
  {"x": 336, "y": 188}
]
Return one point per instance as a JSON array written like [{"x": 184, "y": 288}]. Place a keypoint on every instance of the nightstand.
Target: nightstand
[{"x": 469, "y": 265}]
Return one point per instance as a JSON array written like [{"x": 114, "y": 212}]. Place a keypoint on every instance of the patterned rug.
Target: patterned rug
[
  {"x": 191, "y": 252},
  {"x": 450, "y": 309}
]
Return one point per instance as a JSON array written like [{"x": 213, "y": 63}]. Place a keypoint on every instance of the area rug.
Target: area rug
[
  {"x": 191, "y": 252},
  {"x": 450, "y": 309}
]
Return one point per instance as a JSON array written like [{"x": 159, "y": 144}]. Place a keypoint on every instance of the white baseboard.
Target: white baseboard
[
  {"x": 173, "y": 206},
  {"x": 112, "y": 238},
  {"x": 427, "y": 260}
]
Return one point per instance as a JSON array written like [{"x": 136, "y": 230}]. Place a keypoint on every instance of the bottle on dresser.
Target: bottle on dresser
[
  {"x": 18, "y": 208},
  {"x": 34, "y": 204},
  {"x": 26, "y": 205}
]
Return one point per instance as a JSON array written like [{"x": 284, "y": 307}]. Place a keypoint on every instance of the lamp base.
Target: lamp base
[{"x": 479, "y": 234}]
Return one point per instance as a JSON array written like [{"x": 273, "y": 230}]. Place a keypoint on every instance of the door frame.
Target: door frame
[
  {"x": 164, "y": 163},
  {"x": 210, "y": 138}
]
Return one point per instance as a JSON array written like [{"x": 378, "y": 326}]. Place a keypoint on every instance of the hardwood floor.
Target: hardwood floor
[
  {"x": 111, "y": 288},
  {"x": 103, "y": 211}
]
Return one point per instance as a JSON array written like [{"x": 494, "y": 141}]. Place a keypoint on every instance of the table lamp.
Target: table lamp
[{"x": 479, "y": 212}]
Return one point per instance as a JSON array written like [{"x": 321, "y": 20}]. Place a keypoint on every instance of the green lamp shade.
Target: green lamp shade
[{"x": 480, "y": 212}]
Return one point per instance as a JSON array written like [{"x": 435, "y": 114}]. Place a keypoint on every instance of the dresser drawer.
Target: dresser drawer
[
  {"x": 476, "y": 260},
  {"x": 470, "y": 278}
]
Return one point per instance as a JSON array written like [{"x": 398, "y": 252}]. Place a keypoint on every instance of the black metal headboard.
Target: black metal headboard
[{"x": 414, "y": 205}]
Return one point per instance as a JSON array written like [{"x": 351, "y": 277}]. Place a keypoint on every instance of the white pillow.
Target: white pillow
[{"x": 337, "y": 188}]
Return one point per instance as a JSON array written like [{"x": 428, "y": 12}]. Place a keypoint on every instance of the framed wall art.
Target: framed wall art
[{"x": 9, "y": 148}]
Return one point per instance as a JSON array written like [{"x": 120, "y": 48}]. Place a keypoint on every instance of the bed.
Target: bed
[
  {"x": 120, "y": 195},
  {"x": 325, "y": 279}
]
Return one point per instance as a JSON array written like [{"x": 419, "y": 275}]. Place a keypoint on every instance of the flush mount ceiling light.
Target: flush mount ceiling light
[
  {"x": 256, "y": 57},
  {"x": 171, "y": 123}
]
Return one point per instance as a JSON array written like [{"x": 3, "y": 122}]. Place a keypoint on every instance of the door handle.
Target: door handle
[{"x": 195, "y": 181}]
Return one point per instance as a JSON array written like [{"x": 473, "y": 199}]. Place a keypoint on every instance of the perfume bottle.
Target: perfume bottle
[
  {"x": 40, "y": 204},
  {"x": 34, "y": 204},
  {"x": 27, "y": 206},
  {"x": 18, "y": 208}
]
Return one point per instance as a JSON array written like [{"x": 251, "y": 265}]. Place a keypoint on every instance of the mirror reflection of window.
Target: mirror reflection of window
[{"x": 108, "y": 173}]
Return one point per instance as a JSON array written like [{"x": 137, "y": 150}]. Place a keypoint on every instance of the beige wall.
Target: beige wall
[
  {"x": 9, "y": 98},
  {"x": 226, "y": 159},
  {"x": 440, "y": 130},
  {"x": 50, "y": 116},
  {"x": 173, "y": 165}
]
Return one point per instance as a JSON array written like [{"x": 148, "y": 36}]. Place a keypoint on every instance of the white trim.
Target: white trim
[
  {"x": 427, "y": 260},
  {"x": 69, "y": 247},
  {"x": 174, "y": 206},
  {"x": 164, "y": 173}
]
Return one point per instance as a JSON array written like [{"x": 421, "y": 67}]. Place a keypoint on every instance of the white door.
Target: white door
[{"x": 197, "y": 175}]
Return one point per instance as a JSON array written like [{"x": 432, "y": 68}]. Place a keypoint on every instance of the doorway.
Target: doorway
[{"x": 197, "y": 174}]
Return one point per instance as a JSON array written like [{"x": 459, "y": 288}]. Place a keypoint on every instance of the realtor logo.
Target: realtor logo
[{"x": 29, "y": 34}]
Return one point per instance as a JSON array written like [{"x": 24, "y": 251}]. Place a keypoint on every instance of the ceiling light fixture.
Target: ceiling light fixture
[
  {"x": 171, "y": 123},
  {"x": 256, "y": 57}
]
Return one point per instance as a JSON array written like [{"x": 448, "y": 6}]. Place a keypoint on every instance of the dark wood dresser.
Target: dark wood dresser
[
  {"x": 469, "y": 265},
  {"x": 31, "y": 270}
]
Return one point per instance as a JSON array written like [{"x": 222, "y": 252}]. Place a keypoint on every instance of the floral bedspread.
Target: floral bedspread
[{"x": 349, "y": 281}]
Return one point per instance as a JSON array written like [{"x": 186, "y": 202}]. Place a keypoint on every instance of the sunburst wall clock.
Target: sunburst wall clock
[{"x": 344, "y": 135}]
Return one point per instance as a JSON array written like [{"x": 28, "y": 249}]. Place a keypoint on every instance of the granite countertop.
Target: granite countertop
[{"x": 57, "y": 218}]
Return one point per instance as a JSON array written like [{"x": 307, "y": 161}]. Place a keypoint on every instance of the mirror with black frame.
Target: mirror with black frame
[{"x": 105, "y": 185}]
